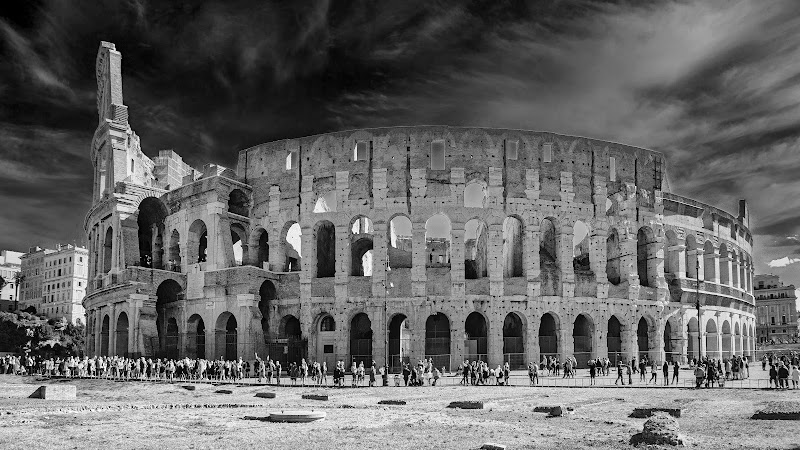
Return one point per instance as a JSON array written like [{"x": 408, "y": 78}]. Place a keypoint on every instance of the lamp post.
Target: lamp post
[{"x": 697, "y": 305}]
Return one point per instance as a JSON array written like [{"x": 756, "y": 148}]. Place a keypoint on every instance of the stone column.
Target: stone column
[
  {"x": 628, "y": 268},
  {"x": 565, "y": 339},
  {"x": 699, "y": 261},
  {"x": 656, "y": 352},
  {"x": 565, "y": 249},
  {"x": 678, "y": 253},
  {"x": 380, "y": 258},
  {"x": 343, "y": 260},
  {"x": 308, "y": 262},
  {"x": 457, "y": 336},
  {"x": 458, "y": 288},
  {"x": 419, "y": 260},
  {"x": 532, "y": 348},
  {"x": 600, "y": 344},
  {"x": 533, "y": 263},
  {"x": 725, "y": 274},
  {"x": 630, "y": 346},
  {"x": 495, "y": 259},
  {"x": 495, "y": 337}
]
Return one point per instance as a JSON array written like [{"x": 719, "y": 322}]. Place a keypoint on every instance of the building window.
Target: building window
[
  {"x": 783, "y": 320},
  {"x": 360, "y": 151},
  {"x": 80, "y": 258},
  {"x": 612, "y": 169},
  {"x": 512, "y": 150},
  {"x": 291, "y": 160},
  {"x": 773, "y": 320},
  {"x": 547, "y": 153},
  {"x": 437, "y": 155}
]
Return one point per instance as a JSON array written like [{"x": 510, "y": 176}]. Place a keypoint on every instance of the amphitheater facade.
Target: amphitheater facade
[{"x": 406, "y": 243}]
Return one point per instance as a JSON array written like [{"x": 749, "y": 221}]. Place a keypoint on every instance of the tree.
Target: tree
[{"x": 19, "y": 277}]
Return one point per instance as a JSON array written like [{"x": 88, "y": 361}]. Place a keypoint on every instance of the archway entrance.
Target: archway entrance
[
  {"x": 582, "y": 332},
  {"x": 642, "y": 338},
  {"x": 290, "y": 347},
  {"x": 548, "y": 336},
  {"x": 168, "y": 294},
  {"x": 399, "y": 341},
  {"x": 475, "y": 342},
  {"x": 227, "y": 340},
  {"x": 122, "y": 335},
  {"x": 150, "y": 223},
  {"x": 712, "y": 344},
  {"x": 693, "y": 340},
  {"x": 727, "y": 342},
  {"x": 668, "y": 348},
  {"x": 267, "y": 294},
  {"x": 614, "y": 340},
  {"x": 514, "y": 341},
  {"x": 437, "y": 340},
  {"x": 361, "y": 339},
  {"x": 196, "y": 337},
  {"x": 326, "y": 341},
  {"x": 171, "y": 339},
  {"x": 104, "y": 337}
]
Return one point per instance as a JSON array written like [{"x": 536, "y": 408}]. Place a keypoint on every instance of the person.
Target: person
[
  {"x": 354, "y": 372},
  {"x": 278, "y": 372},
  {"x": 506, "y": 372},
  {"x": 436, "y": 375},
  {"x": 372, "y": 375},
  {"x": 795, "y": 376},
  {"x": 783, "y": 375},
  {"x": 397, "y": 380},
  {"x": 619, "y": 374},
  {"x": 675, "y": 368},
  {"x": 592, "y": 372},
  {"x": 407, "y": 373},
  {"x": 533, "y": 374},
  {"x": 653, "y": 373},
  {"x": 773, "y": 376},
  {"x": 665, "y": 371},
  {"x": 630, "y": 376},
  {"x": 699, "y": 375}
]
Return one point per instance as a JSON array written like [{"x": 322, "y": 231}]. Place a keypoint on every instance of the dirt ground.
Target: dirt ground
[{"x": 141, "y": 415}]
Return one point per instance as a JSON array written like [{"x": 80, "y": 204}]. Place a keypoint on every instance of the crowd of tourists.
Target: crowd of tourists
[{"x": 782, "y": 369}]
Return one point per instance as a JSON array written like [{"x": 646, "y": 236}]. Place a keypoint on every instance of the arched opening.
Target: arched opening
[
  {"x": 361, "y": 247},
  {"x": 262, "y": 258},
  {"x": 549, "y": 258},
  {"x": 736, "y": 345},
  {"x": 712, "y": 344},
  {"x": 614, "y": 340},
  {"x": 227, "y": 339},
  {"x": 692, "y": 348},
  {"x": 290, "y": 347},
  {"x": 290, "y": 328},
  {"x": 582, "y": 332},
  {"x": 437, "y": 339},
  {"x": 709, "y": 269},
  {"x": 751, "y": 342},
  {"x": 108, "y": 245},
  {"x": 122, "y": 335},
  {"x": 326, "y": 203},
  {"x": 399, "y": 243},
  {"x": 196, "y": 337},
  {"x": 580, "y": 248},
  {"x": 150, "y": 221},
  {"x": 727, "y": 342},
  {"x": 267, "y": 293},
  {"x": 104, "y": 330},
  {"x": 326, "y": 341},
  {"x": 724, "y": 265},
  {"x": 476, "y": 237},
  {"x": 668, "y": 349},
  {"x": 513, "y": 247},
  {"x": 475, "y": 342},
  {"x": 239, "y": 241},
  {"x": 325, "y": 238},
  {"x": 198, "y": 242},
  {"x": 239, "y": 203},
  {"x": 514, "y": 341},
  {"x": 548, "y": 336},
  {"x": 437, "y": 241},
  {"x": 475, "y": 195},
  {"x": 734, "y": 268},
  {"x": 643, "y": 338},
  {"x": 361, "y": 339},
  {"x": 174, "y": 263},
  {"x": 613, "y": 258},
  {"x": 167, "y": 296},
  {"x": 645, "y": 257},
  {"x": 691, "y": 257},
  {"x": 291, "y": 243},
  {"x": 399, "y": 341}
]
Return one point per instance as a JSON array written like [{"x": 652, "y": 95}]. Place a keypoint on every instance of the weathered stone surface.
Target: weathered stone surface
[
  {"x": 467, "y": 404},
  {"x": 323, "y": 397},
  {"x": 189, "y": 387},
  {"x": 642, "y": 413},
  {"x": 223, "y": 391},
  {"x": 551, "y": 410},
  {"x": 392, "y": 402},
  {"x": 660, "y": 429},
  {"x": 297, "y": 416},
  {"x": 778, "y": 411},
  {"x": 265, "y": 394},
  {"x": 492, "y": 446},
  {"x": 55, "y": 392}
]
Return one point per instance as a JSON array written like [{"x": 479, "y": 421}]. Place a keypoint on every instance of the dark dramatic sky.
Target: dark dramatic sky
[{"x": 715, "y": 85}]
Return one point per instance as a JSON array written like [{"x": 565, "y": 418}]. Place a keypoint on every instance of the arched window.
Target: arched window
[
  {"x": 475, "y": 195},
  {"x": 108, "y": 245},
  {"x": 437, "y": 241},
  {"x": 326, "y": 203},
  {"x": 613, "y": 258},
  {"x": 325, "y": 238},
  {"x": 239, "y": 203},
  {"x": 580, "y": 247},
  {"x": 361, "y": 244},
  {"x": 239, "y": 241},
  {"x": 292, "y": 240},
  {"x": 400, "y": 242},
  {"x": 513, "y": 247},
  {"x": 198, "y": 242},
  {"x": 476, "y": 236},
  {"x": 150, "y": 222},
  {"x": 645, "y": 257}
]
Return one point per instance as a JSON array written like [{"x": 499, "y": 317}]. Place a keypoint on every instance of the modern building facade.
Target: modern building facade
[
  {"x": 32, "y": 267},
  {"x": 434, "y": 241},
  {"x": 776, "y": 309},
  {"x": 9, "y": 267},
  {"x": 55, "y": 281}
]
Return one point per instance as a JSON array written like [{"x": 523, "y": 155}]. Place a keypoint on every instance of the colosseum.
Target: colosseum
[{"x": 402, "y": 243}]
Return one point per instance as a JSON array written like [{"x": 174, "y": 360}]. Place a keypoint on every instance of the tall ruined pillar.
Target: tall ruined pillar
[
  {"x": 565, "y": 249},
  {"x": 419, "y": 259},
  {"x": 533, "y": 270},
  {"x": 380, "y": 258},
  {"x": 495, "y": 259},
  {"x": 458, "y": 288}
]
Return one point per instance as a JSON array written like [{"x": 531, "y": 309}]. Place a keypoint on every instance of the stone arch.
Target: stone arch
[
  {"x": 514, "y": 332},
  {"x": 150, "y": 217},
  {"x": 709, "y": 271},
  {"x": 290, "y": 328},
  {"x": 122, "y": 335},
  {"x": 643, "y": 328},
  {"x": 197, "y": 250},
  {"x": 260, "y": 244},
  {"x": 438, "y": 238},
  {"x": 671, "y": 265},
  {"x": 513, "y": 247},
  {"x": 476, "y": 332},
  {"x": 613, "y": 257},
  {"x": 174, "y": 262},
  {"x": 196, "y": 337},
  {"x": 104, "y": 336},
  {"x": 581, "y": 247},
  {"x": 325, "y": 325},
  {"x": 239, "y": 243},
  {"x": 646, "y": 247},
  {"x": 437, "y": 339},
  {"x": 693, "y": 338},
  {"x": 168, "y": 293},
  {"x": 239, "y": 203},
  {"x": 361, "y": 339},
  {"x": 399, "y": 238},
  {"x": 361, "y": 245},
  {"x": 727, "y": 340},
  {"x": 399, "y": 340},
  {"x": 736, "y": 346},
  {"x": 108, "y": 250},
  {"x": 267, "y": 293},
  {"x": 724, "y": 265},
  {"x": 325, "y": 240},
  {"x": 549, "y": 329},
  {"x": 291, "y": 242},
  {"x": 475, "y": 194},
  {"x": 712, "y": 345},
  {"x": 583, "y": 336},
  {"x": 614, "y": 339},
  {"x": 476, "y": 238},
  {"x": 227, "y": 337}
]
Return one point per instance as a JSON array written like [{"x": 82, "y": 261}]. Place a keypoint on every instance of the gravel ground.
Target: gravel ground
[{"x": 158, "y": 415}]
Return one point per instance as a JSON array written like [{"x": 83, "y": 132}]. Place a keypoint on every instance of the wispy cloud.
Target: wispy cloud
[{"x": 783, "y": 262}]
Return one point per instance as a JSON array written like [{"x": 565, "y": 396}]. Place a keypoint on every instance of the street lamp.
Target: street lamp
[{"x": 697, "y": 305}]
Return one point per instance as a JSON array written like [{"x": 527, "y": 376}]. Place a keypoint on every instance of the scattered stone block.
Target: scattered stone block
[
  {"x": 392, "y": 402},
  {"x": 551, "y": 410},
  {"x": 467, "y": 404},
  {"x": 189, "y": 387},
  {"x": 778, "y": 411},
  {"x": 55, "y": 392},
  {"x": 492, "y": 446},
  {"x": 223, "y": 391},
  {"x": 643, "y": 413},
  {"x": 265, "y": 394},
  {"x": 660, "y": 429},
  {"x": 322, "y": 397},
  {"x": 297, "y": 416}
]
